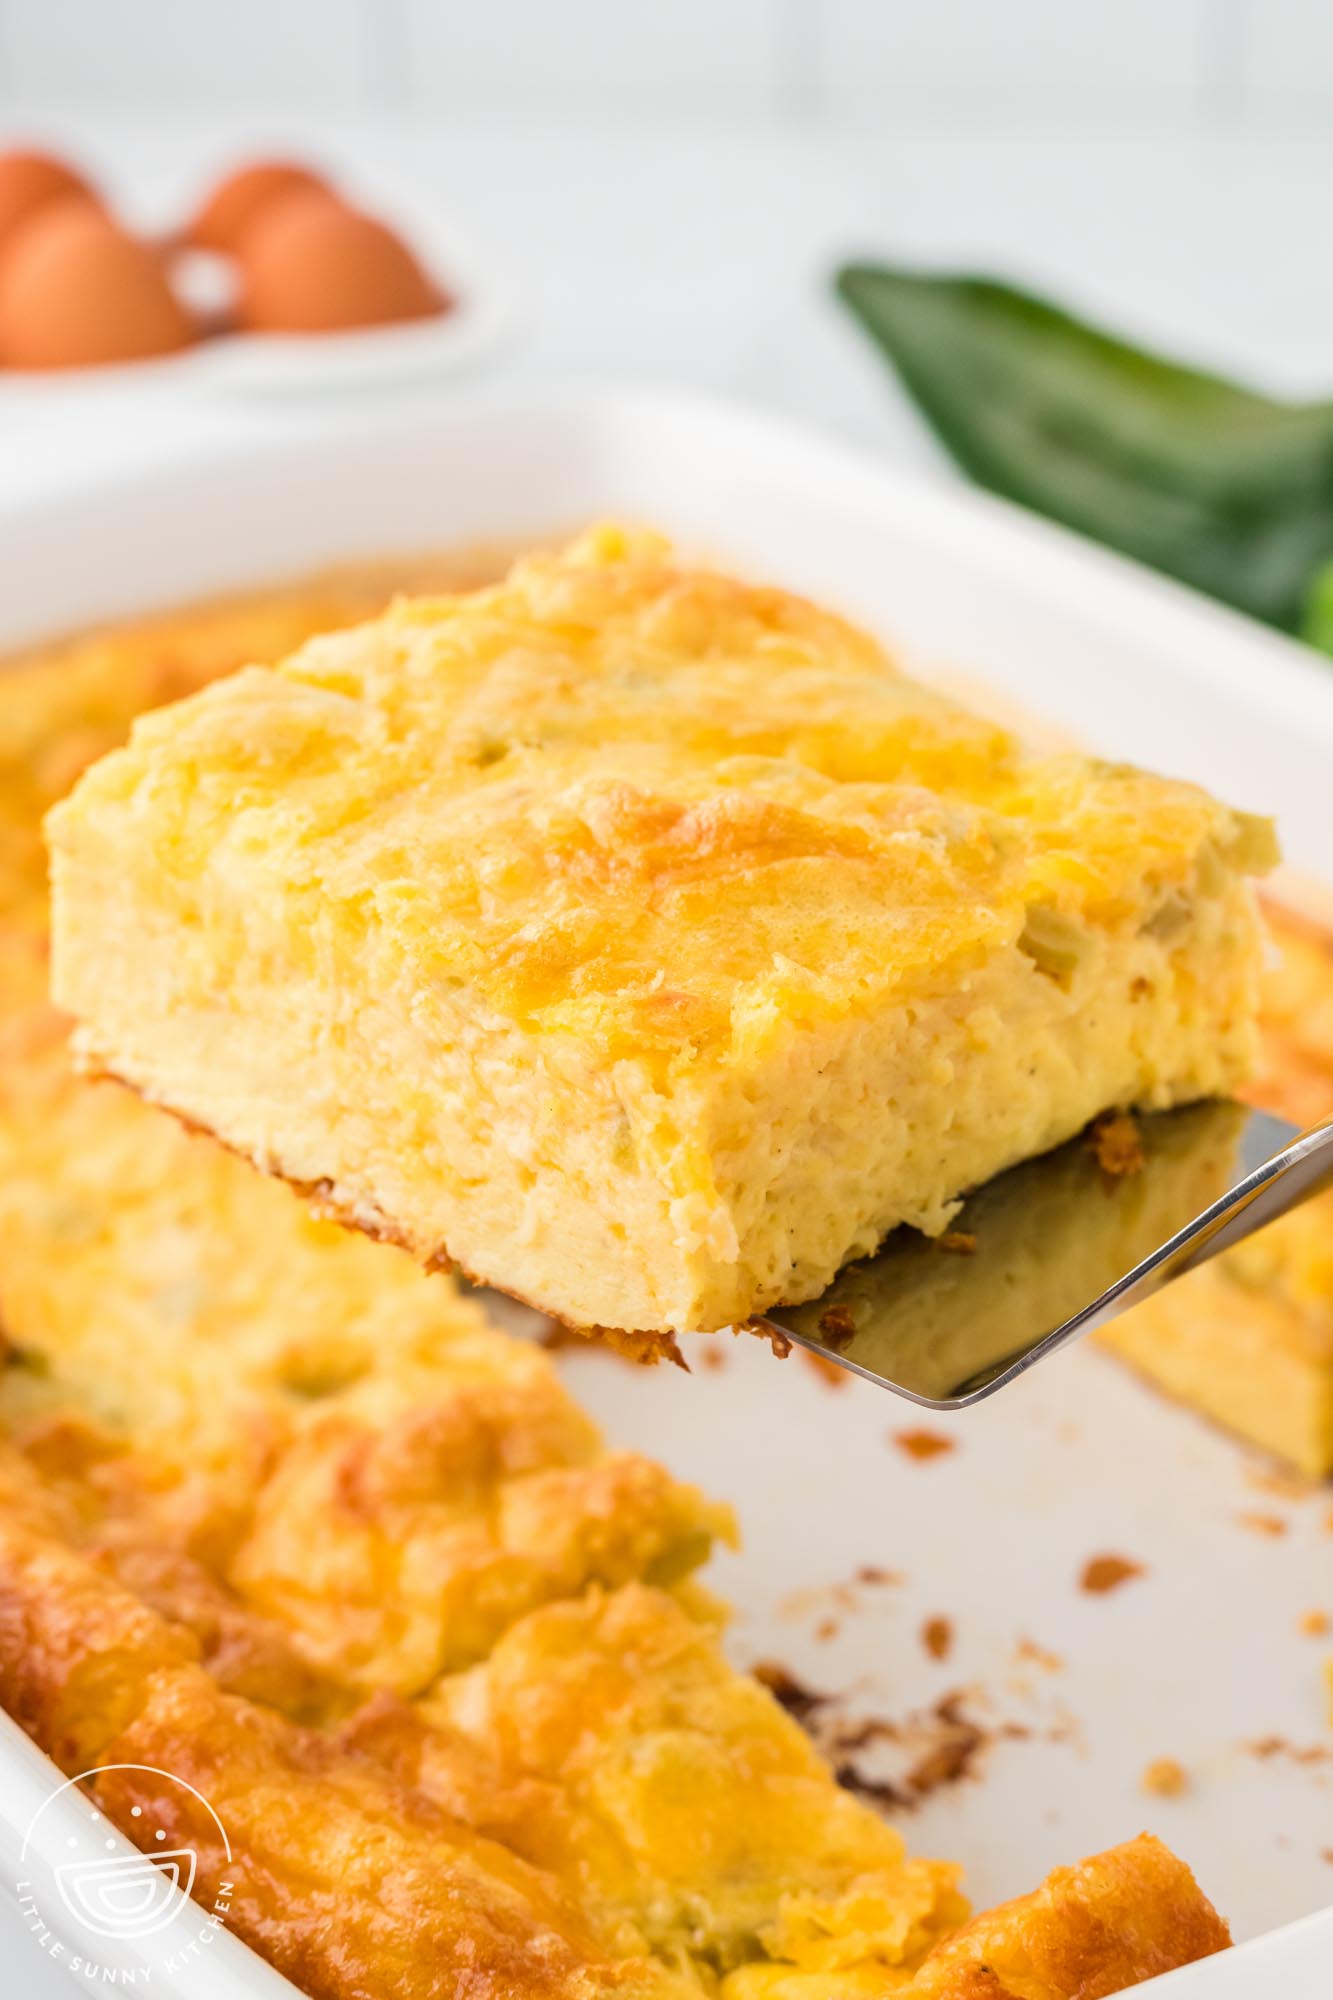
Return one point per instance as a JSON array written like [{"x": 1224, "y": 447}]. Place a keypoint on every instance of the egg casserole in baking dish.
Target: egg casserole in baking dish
[
  {"x": 642, "y": 941},
  {"x": 1249, "y": 1338},
  {"x": 286, "y": 1517}
]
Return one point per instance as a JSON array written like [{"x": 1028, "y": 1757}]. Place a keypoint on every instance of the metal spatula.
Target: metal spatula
[{"x": 1054, "y": 1248}]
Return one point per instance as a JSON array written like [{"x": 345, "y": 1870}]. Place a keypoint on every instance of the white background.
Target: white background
[{"x": 1200, "y": 62}]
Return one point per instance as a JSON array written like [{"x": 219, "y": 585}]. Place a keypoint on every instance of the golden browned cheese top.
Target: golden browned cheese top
[{"x": 641, "y": 803}]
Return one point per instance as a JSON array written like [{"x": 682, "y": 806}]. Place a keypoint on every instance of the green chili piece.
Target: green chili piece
[{"x": 1221, "y": 487}]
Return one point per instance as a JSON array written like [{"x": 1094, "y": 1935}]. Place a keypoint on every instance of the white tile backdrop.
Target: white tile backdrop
[{"x": 855, "y": 62}]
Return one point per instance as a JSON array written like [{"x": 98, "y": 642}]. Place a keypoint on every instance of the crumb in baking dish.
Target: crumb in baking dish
[
  {"x": 1116, "y": 1144},
  {"x": 1272, "y": 1526},
  {"x": 1102, "y": 1574},
  {"x": 1248, "y": 1340},
  {"x": 937, "y": 1636},
  {"x": 566, "y": 929},
  {"x": 922, "y": 1445},
  {"x": 1165, "y": 1778}
]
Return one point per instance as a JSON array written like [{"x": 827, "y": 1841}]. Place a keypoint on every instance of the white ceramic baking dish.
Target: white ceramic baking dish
[{"x": 1200, "y": 1658}]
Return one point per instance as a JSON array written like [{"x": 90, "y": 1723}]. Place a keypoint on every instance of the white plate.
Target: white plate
[
  {"x": 293, "y": 365},
  {"x": 1199, "y": 1657}
]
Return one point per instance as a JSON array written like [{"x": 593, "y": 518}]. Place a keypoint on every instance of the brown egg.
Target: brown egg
[
  {"x": 312, "y": 266},
  {"x": 235, "y": 204},
  {"x": 76, "y": 291},
  {"x": 30, "y": 179}
]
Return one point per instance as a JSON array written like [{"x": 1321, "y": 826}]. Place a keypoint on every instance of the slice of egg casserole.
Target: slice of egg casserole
[{"x": 644, "y": 942}]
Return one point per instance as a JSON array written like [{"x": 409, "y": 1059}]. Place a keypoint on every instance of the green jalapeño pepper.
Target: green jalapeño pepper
[{"x": 1226, "y": 489}]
